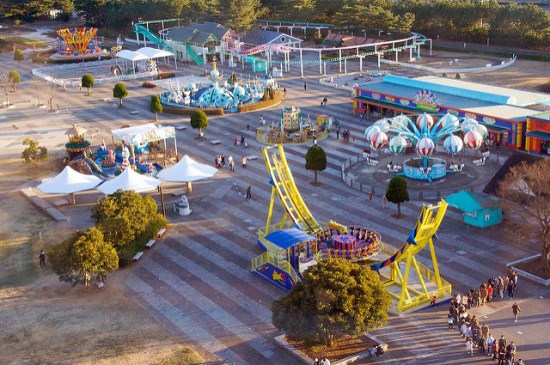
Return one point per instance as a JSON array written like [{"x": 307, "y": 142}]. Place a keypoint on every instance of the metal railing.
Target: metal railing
[{"x": 284, "y": 265}]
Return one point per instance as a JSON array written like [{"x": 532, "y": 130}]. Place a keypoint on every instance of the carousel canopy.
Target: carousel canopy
[
  {"x": 131, "y": 55},
  {"x": 144, "y": 133},
  {"x": 288, "y": 237},
  {"x": 154, "y": 53},
  {"x": 129, "y": 180},
  {"x": 75, "y": 131},
  {"x": 187, "y": 170},
  {"x": 69, "y": 181}
]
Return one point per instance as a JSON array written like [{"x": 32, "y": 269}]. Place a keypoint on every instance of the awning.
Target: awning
[
  {"x": 288, "y": 237},
  {"x": 385, "y": 104},
  {"x": 144, "y": 133},
  {"x": 496, "y": 129},
  {"x": 154, "y": 53},
  {"x": 545, "y": 136},
  {"x": 131, "y": 55}
]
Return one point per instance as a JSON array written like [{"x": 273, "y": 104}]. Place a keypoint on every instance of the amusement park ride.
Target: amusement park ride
[
  {"x": 299, "y": 241},
  {"x": 76, "y": 43}
]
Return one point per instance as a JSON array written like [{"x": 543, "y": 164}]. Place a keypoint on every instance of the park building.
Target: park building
[{"x": 512, "y": 117}]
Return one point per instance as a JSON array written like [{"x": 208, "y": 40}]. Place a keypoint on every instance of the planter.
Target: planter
[
  {"x": 525, "y": 274},
  {"x": 304, "y": 359}
]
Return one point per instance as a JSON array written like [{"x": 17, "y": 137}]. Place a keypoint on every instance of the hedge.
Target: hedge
[
  {"x": 187, "y": 111},
  {"x": 166, "y": 75},
  {"x": 262, "y": 104},
  {"x": 149, "y": 84}
]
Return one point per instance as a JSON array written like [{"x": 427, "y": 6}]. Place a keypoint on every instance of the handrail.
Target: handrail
[{"x": 284, "y": 265}]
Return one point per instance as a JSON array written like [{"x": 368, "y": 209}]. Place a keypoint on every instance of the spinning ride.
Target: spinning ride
[
  {"x": 424, "y": 134},
  {"x": 77, "y": 43}
]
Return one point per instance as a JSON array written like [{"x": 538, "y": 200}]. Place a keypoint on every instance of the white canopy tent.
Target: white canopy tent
[
  {"x": 153, "y": 53},
  {"x": 187, "y": 170},
  {"x": 69, "y": 182},
  {"x": 129, "y": 180},
  {"x": 132, "y": 56},
  {"x": 143, "y": 134}
]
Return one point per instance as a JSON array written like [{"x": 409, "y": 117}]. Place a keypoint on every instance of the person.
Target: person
[
  {"x": 450, "y": 321},
  {"x": 248, "y": 127},
  {"x": 520, "y": 362},
  {"x": 384, "y": 201},
  {"x": 316, "y": 361},
  {"x": 245, "y": 160},
  {"x": 372, "y": 351},
  {"x": 248, "y": 193},
  {"x": 510, "y": 288},
  {"x": 511, "y": 352},
  {"x": 433, "y": 299},
  {"x": 42, "y": 258},
  {"x": 516, "y": 309},
  {"x": 470, "y": 347},
  {"x": 284, "y": 91},
  {"x": 231, "y": 163},
  {"x": 370, "y": 195},
  {"x": 324, "y": 102},
  {"x": 489, "y": 342},
  {"x": 305, "y": 86},
  {"x": 223, "y": 160}
]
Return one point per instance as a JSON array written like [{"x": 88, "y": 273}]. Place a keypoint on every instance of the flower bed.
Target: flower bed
[
  {"x": 531, "y": 269},
  {"x": 262, "y": 104},
  {"x": 188, "y": 110}
]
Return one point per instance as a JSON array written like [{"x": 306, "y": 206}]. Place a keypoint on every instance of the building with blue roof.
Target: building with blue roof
[{"x": 503, "y": 111}]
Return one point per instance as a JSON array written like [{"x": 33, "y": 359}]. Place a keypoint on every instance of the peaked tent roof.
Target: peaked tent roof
[
  {"x": 129, "y": 180},
  {"x": 69, "y": 181},
  {"x": 288, "y": 237},
  {"x": 187, "y": 170},
  {"x": 259, "y": 37},
  {"x": 131, "y": 55},
  {"x": 470, "y": 202},
  {"x": 154, "y": 53},
  {"x": 143, "y": 133}
]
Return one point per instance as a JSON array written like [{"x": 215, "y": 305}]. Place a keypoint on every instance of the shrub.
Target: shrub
[
  {"x": 457, "y": 76},
  {"x": 165, "y": 75},
  {"x": 149, "y": 84},
  {"x": 187, "y": 111}
]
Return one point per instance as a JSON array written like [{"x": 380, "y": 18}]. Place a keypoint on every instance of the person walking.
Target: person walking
[
  {"x": 510, "y": 289},
  {"x": 245, "y": 161},
  {"x": 248, "y": 192},
  {"x": 42, "y": 258},
  {"x": 516, "y": 309},
  {"x": 305, "y": 86}
]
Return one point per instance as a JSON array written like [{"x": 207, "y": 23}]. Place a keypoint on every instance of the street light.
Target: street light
[{"x": 364, "y": 33}]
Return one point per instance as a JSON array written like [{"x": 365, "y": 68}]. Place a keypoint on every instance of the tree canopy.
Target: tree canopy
[
  {"x": 397, "y": 192},
  {"x": 14, "y": 79},
  {"x": 83, "y": 255},
  {"x": 526, "y": 192},
  {"x": 88, "y": 82},
  {"x": 120, "y": 92},
  {"x": 316, "y": 159},
  {"x": 18, "y": 56},
  {"x": 155, "y": 106},
  {"x": 199, "y": 120},
  {"x": 335, "y": 298},
  {"x": 240, "y": 15}
]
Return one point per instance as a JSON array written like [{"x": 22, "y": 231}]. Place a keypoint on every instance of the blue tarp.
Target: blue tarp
[{"x": 288, "y": 237}]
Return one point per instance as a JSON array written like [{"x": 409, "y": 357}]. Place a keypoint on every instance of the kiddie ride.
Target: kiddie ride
[
  {"x": 77, "y": 44},
  {"x": 299, "y": 241}
]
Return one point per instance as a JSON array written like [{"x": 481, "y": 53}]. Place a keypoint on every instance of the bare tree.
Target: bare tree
[
  {"x": 526, "y": 192},
  {"x": 51, "y": 91},
  {"x": 38, "y": 87}
]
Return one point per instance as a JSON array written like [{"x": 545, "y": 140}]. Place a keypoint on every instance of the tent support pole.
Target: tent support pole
[{"x": 176, "y": 149}]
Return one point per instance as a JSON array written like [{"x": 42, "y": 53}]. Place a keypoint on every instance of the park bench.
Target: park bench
[
  {"x": 215, "y": 142},
  {"x": 150, "y": 243},
  {"x": 479, "y": 161},
  {"x": 137, "y": 256},
  {"x": 160, "y": 233},
  {"x": 371, "y": 161}
]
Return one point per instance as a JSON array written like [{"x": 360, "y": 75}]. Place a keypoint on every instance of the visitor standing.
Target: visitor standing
[
  {"x": 516, "y": 309},
  {"x": 245, "y": 161},
  {"x": 450, "y": 321},
  {"x": 248, "y": 192},
  {"x": 305, "y": 89},
  {"x": 470, "y": 347},
  {"x": 231, "y": 163},
  {"x": 510, "y": 288},
  {"x": 42, "y": 258},
  {"x": 384, "y": 201}
]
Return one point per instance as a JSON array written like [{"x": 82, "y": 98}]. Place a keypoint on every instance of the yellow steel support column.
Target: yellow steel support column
[
  {"x": 405, "y": 281},
  {"x": 436, "y": 267},
  {"x": 419, "y": 275},
  {"x": 270, "y": 211}
]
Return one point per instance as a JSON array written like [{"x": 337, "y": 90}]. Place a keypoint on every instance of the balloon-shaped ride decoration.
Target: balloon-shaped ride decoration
[
  {"x": 398, "y": 145},
  {"x": 424, "y": 120},
  {"x": 449, "y": 120},
  {"x": 379, "y": 141},
  {"x": 453, "y": 144},
  {"x": 473, "y": 139},
  {"x": 372, "y": 130},
  {"x": 425, "y": 147}
]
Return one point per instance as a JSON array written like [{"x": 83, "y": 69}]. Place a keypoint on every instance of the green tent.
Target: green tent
[{"x": 479, "y": 210}]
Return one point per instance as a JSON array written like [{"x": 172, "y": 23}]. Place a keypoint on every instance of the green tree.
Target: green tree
[
  {"x": 120, "y": 92},
  {"x": 316, "y": 160},
  {"x": 397, "y": 192},
  {"x": 525, "y": 192},
  {"x": 240, "y": 15},
  {"x": 156, "y": 106},
  {"x": 125, "y": 216},
  {"x": 33, "y": 153},
  {"x": 199, "y": 121},
  {"x": 87, "y": 82},
  {"x": 335, "y": 298},
  {"x": 83, "y": 256},
  {"x": 14, "y": 79},
  {"x": 18, "y": 56}
]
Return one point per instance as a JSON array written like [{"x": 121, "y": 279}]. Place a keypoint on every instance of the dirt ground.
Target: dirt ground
[{"x": 50, "y": 322}]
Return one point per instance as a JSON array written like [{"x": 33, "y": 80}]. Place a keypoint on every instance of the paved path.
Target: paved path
[{"x": 197, "y": 282}]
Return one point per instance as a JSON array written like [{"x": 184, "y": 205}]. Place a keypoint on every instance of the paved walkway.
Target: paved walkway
[{"x": 197, "y": 282}]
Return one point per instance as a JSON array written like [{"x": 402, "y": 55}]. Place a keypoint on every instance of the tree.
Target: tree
[
  {"x": 38, "y": 85},
  {"x": 51, "y": 90},
  {"x": 14, "y": 79},
  {"x": 82, "y": 256},
  {"x": 397, "y": 192},
  {"x": 87, "y": 82},
  {"x": 18, "y": 56},
  {"x": 199, "y": 120},
  {"x": 33, "y": 153},
  {"x": 120, "y": 92},
  {"x": 316, "y": 160},
  {"x": 525, "y": 192},
  {"x": 335, "y": 298},
  {"x": 240, "y": 15},
  {"x": 156, "y": 106},
  {"x": 125, "y": 216}
]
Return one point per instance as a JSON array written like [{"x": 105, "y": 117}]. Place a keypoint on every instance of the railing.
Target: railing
[
  {"x": 284, "y": 265},
  {"x": 488, "y": 67}
]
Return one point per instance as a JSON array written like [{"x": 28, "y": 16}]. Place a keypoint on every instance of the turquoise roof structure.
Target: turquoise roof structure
[{"x": 470, "y": 202}]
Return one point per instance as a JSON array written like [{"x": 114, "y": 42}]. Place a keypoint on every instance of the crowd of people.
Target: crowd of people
[{"x": 477, "y": 334}]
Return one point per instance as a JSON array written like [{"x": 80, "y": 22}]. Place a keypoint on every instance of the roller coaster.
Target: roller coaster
[{"x": 411, "y": 287}]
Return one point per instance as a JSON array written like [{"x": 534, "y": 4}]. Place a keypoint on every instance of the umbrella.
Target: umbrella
[
  {"x": 129, "y": 180},
  {"x": 187, "y": 170},
  {"x": 69, "y": 181}
]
